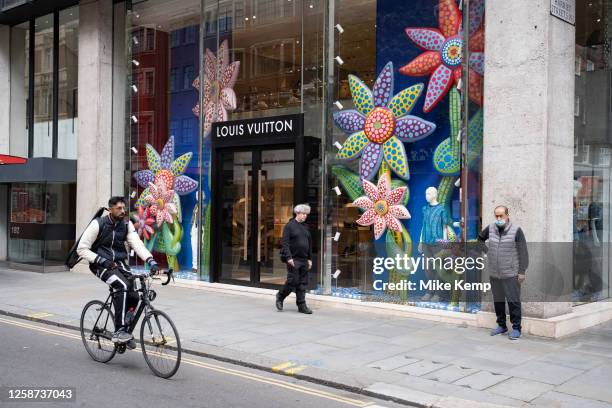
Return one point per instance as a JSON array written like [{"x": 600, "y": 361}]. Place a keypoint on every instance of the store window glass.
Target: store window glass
[
  {"x": 43, "y": 87},
  {"x": 592, "y": 151},
  {"x": 42, "y": 224},
  {"x": 164, "y": 55},
  {"x": 20, "y": 72},
  {"x": 264, "y": 59},
  {"x": 9, "y": 4},
  {"x": 405, "y": 107},
  {"x": 68, "y": 83},
  {"x": 27, "y": 216}
]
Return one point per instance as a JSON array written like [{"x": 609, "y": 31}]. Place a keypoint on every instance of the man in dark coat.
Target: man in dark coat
[{"x": 296, "y": 251}]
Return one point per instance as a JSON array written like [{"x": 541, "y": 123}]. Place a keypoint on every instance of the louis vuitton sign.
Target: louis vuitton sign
[{"x": 278, "y": 126}]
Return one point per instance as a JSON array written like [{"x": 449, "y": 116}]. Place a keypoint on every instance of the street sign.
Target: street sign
[{"x": 564, "y": 10}]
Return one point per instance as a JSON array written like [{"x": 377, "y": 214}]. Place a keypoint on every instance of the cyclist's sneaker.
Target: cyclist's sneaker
[
  {"x": 131, "y": 344},
  {"x": 121, "y": 336}
]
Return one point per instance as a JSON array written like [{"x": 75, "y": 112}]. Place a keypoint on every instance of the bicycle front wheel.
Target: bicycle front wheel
[
  {"x": 97, "y": 328},
  {"x": 160, "y": 344}
]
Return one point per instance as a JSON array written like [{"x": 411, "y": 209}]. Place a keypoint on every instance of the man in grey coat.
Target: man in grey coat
[{"x": 507, "y": 261}]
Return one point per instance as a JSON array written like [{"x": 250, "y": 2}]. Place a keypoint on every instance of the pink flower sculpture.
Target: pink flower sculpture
[
  {"x": 143, "y": 223},
  {"x": 382, "y": 206},
  {"x": 219, "y": 79},
  {"x": 161, "y": 204}
]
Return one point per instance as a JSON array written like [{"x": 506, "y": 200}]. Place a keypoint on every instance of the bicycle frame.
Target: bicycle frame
[{"x": 143, "y": 304}]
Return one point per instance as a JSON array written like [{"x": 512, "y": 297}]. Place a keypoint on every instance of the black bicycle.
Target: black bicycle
[{"x": 159, "y": 339}]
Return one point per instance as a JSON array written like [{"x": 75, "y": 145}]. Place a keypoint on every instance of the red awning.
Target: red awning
[{"x": 6, "y": 159}]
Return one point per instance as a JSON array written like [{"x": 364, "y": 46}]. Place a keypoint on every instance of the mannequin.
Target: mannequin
[
  {"x": 194, "y": 236},
  {"x": 435, "y": 220}
]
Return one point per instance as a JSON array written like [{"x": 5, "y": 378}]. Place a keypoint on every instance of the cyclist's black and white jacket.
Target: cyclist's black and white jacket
[{"x": 115, "y": 237}]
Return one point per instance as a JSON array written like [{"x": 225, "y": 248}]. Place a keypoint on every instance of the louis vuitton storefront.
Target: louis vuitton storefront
[{"x": 243, "y": 109}]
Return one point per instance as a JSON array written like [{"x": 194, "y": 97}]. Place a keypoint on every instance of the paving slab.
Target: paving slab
[
  {"x": 521, "y": 389},
  {"x": 450, "y": 374},
  {"x": 392, "y": 363},
  {"x": 481, "y": 380},
  {"x": 486, "y": 397},
  {"x": 420, "y": 368},
  {"x": 575, "y": 359},
  {"x": 594, "y": 384},
  {"x": 543, "y": 372}
]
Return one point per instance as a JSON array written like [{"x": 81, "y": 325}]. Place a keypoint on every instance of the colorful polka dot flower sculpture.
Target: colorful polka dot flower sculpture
[
  {"x": 443, "y": 53},
  {"x": 166, "y": 168},
  {"x": 380, "y": 123},
  {"x": 163, "y": 182},
  {"x": 219, "y": 79},
  {"x": 382, "y": 206}
]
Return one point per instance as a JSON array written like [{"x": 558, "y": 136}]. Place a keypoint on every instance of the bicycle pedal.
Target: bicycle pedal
[{"x": 120, "y": 348}]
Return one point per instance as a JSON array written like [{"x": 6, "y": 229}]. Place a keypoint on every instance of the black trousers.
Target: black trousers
[
  {"x": 124, "y": 294},
  {"x": 507, "y": 290},
  {"x": 297, "y": 280}
]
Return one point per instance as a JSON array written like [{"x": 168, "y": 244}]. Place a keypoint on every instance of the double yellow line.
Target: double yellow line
[{"x": 213, "y": 367}]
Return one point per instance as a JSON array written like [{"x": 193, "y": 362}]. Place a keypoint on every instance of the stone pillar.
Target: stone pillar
[
  {"x": 95, "y": 109},
  {"x": 120, "y": 73},
  {"x": 5, "y": 88},
  {"x": 529, "y": 138}
]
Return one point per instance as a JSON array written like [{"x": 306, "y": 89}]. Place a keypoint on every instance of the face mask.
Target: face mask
[{"x": 500, "y": 223}]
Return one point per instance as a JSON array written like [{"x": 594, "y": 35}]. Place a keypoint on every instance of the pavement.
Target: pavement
[{"x": 400, "y": 359}]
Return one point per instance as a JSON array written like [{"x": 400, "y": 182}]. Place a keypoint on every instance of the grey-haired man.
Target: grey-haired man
[{"x": 296, "y": 251}]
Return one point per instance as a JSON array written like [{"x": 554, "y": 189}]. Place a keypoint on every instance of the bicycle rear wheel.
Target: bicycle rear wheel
[
  {"x": 97, "y": 328},
  {"x": 161, "y": 346}
]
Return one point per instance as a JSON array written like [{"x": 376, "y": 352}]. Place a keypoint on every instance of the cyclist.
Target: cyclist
[{"x": 108, "y": 260}]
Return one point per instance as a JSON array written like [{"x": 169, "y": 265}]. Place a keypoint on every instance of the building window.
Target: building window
[
  {"x": 68, "y": 83},
  {"x": 149, "y": 82},
  {"x": 175, "y": 38},
  {"x": 138, "y": 40},
  {"x": 187, "y": 133},
  {"x": 9, "y": 4},
  {"x": 190, "y": 34},
  {"x": 20, "y": 82},
  {"x": 174, "y": 128},
  {"x": 174, "y": 79},
  {"x": 44, "y": 105},
  {"x": 43, "y": 87},
  {"x": 188, "y": 76},
  {"x": 150, "y": 43}
]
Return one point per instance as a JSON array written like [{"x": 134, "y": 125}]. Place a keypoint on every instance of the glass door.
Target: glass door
[
  {"x": 256, "y": 201},
  {"x": 276, "y": 208},
  {"x": 236, "y": 209}
]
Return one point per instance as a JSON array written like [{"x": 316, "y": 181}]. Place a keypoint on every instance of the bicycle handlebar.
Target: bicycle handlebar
[{"x": 170, "y": 275}]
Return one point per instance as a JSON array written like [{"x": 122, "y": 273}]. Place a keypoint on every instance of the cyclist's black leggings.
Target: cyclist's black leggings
[{"x": 124, "y": 295}]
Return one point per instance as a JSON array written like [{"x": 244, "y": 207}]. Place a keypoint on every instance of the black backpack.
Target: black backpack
[{"x": 73, "y": 257}]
